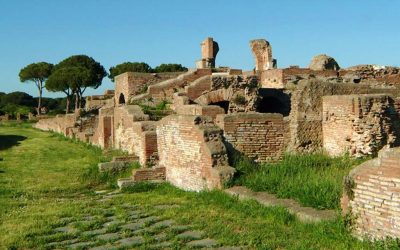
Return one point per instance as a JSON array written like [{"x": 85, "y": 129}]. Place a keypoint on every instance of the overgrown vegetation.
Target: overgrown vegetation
[
  {"x": 44, "y": 183},
  {"x": 314, "y": 180},
  {"x": 23, "y": 103}
]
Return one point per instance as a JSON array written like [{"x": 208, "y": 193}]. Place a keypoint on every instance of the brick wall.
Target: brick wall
[
  {"x": 196, "y": 88},
  {"x": 59, "y": 124},
  {"x": 149, "y": 174},
  {"x": 258, "y": 136},
  {"x": 192, "y": 151},
  {"x": 194, "y": 109},
  {"x": 306, "y": 111},
  {"x": 371, "y": 194},
  {"x": 131, "y": 83},
  {"x": 358, "y": 124}
]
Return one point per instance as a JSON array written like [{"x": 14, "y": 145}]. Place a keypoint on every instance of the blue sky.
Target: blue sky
[{"x": 115, "y": 31}]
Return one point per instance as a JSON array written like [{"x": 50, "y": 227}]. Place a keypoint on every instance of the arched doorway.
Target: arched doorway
[
  {"x": 274, "y": 101},
  {"x": 121, "y": 99},
  {"x": 222, "y": 104}
]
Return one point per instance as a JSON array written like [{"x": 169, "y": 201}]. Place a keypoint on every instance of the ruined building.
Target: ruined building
[{"x": 213, "y": 113}]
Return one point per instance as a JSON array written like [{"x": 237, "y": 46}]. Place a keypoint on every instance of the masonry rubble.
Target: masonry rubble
[{"x": 214, "y": 112}]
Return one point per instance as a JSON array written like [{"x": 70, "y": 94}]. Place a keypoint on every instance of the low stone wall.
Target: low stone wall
[
  {"x": 194, "y": 109},
  {"x": 59, "y": 124},
  {"x": 371, "y": 195},
  {"x": 149, "y": 174},
  {"x": 192, "y": 151},
  {"x": 359, "y": 124},
  {"x": 258, "y": 136}
]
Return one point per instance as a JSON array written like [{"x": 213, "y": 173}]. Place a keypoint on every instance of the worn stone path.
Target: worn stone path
[
  {"x": 127, "y": 226},
  {"x": 305, "y": 214}
]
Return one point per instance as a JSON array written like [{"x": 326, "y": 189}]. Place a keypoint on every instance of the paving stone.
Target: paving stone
[
  {"x": 101, "y": 191},
  {"x": 94, "y": 232},
  {"x": 61, "y": 243},
  {"x": 66, "y": 229},
  {"x": 180, "y": 228},
  {"x": 160, "y": 237},
  {"x": 202, "y": 243},
  {"x": 103, "y": 247},
  {"x": 166, "y": 206},
  {"x": 133, "y": 226},
  {"x": 112, "y": 223},
  {"x": 228, "y": 248},
  {"x": 163, "y": 224},
  {"x": 80, "y": 245},
  {"x": 148, "y": 219},
  {"x": 132, "y": 241},
  {"x": 161, "y": 245},
  {"x": 190, "y": 235},
  {"x": 109, "y": 236}
]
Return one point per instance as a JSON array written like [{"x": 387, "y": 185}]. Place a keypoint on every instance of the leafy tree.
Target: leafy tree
[
  {"x": 67, "y": 80},
  {"x": 170, "y": 67},
  {"x": 37, "y": 73},
  {"x": 17, "y": 98},
  {"x": 129, "y": 67},
  {"x": 87, "y": 73}
]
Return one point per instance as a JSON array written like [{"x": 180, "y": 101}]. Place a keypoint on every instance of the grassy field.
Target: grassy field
[
  {"x": 45, "y": 178},
  {"x": 314, "y": 180}
]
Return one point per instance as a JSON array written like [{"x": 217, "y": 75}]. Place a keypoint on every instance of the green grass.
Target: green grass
[
  {"x": 314, "y": 180},
  {"x": 44, "y": 181}
]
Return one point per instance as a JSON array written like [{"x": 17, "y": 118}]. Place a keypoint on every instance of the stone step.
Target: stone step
[
  {"x": 125, "y": 158},
  {"x": 113, "y": 166},
  {"x": 305, "y": 214},
  {"x": 125, "y": 182},
  {"x": 149, "y": 174}
]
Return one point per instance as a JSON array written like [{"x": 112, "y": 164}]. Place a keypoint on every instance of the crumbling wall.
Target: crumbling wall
[
  {"x": 144, "y": 142},
  {"x": 240, "y": 91},
  {"x": 195, "y": 109},
  {"x": 258, "y": 136},
  {"x": 359, "y": 124},
  {"x": 306, "y": 110},
  {"x": 164, "y": 91},
  {"x": 104, "y": 132},
  {"x": 192, "y": 151},
  {"x": 371, "y": 195},
  {"x": 59, "y": 124},
  {"x": 134, "y": 83},
  {"x": 124, "y": 119}
]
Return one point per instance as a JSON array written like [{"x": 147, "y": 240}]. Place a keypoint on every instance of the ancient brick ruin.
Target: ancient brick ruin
[{"x": 213, "y": 113}]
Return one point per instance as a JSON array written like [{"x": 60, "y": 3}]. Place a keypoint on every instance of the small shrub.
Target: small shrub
[{"x": 239, "y": 100}]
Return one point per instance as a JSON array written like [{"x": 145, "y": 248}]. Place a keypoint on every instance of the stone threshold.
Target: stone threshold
[{"x": 304, "y": 214}]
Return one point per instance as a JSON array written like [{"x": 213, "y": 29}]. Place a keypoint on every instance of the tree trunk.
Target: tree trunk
[
  {"x": 67, "y": 107},
  {"x": 40, "y": 87},
  {"x": 76, "y": 100}
]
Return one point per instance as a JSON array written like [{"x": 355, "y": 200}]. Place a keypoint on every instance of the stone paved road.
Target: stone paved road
[{"x": 127, "y": 226}]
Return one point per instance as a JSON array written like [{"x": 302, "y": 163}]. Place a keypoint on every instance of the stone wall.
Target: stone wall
[
  {"x": 165, "y": 90},
  {"x": 258, "y": 136},
  {"x": 371, "y": 194},
  {"x": 306, "y": 110},
  {"x": 195, "y": 109},
  {"x": 144, "y": 139},
  {"x": 133, "y": 83},
  {"x": 192, "y": 151},
  {"x": 359, "y": 124},
  {"x": 59, "y": 124},
  {"x": 240, "y": 91},
  {"x": 124, "y": 119}
]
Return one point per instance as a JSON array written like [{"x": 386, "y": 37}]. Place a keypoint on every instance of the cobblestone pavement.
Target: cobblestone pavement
[{"x": 127, "y": 226}]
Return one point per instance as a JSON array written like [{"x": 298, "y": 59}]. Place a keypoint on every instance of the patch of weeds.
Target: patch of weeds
[
  {"x": 312, "y": 179},
  {"x": 112, "y": 228}
]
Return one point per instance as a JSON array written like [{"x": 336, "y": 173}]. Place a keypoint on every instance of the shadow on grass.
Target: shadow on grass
[{"x": 8, "y": 141}]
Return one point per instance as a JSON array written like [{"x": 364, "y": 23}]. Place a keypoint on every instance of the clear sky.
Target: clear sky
[{"x": 161, "y": 31}]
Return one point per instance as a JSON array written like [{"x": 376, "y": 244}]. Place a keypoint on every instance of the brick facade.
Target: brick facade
[
  {"x": 371, "y": 194},
  {"x": 192, "y": 151},
  {"x": 358, "y": 124},
  {"x": 258, "y": 136}
]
